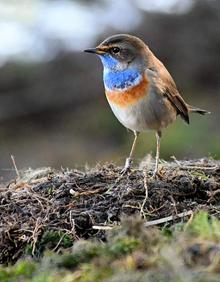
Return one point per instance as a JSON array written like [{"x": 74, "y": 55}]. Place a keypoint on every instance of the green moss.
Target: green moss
[
  {"x": 21, "y": 271},
  {"x": 28, "y": 250},
  {"x": 4, "y": 275},
  {"x": 50, "y": 190},
  {"x": 122, "y": 246},
  {"x": 50, "y": 240},
  {"x": 72, "y": 260},
  {"x": 46, "y": 277},
  {"x": 201, "y": 175},
  {"x": 111, "y": 250},
  {"x": 91, "y": 273},
  {"x": 24, "y": 268},
  {"x": 132, "y": 253},
  {"x": 205, "y": 226}
]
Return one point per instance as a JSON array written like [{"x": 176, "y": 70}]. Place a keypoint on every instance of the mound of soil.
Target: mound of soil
[{"x": 84, "y": 204}]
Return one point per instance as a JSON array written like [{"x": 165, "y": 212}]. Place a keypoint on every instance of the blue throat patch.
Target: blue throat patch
[
  {"x": 108, "y": 61},
  {"x": 121, "y": 80},
  {"x": 116, "y": 79}
]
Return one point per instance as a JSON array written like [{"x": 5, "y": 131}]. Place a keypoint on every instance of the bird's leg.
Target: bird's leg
[
  {"x": 158, "y": 136},
  {"x": 128, "y": 161}
]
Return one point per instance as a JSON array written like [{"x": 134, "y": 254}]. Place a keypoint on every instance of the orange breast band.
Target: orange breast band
[{"x": 130, "y": 96}]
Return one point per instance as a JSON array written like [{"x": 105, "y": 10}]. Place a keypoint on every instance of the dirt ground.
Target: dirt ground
[{"x": 84, "y": 204}]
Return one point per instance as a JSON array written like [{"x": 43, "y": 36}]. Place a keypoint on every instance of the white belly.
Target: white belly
[{"x": 151, "y": 112}]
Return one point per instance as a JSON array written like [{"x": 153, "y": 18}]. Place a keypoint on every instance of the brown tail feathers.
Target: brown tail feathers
[{"x": 192, "y": 109}]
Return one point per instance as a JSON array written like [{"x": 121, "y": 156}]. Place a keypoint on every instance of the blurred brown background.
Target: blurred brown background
[{"x": 53, "y": 111}]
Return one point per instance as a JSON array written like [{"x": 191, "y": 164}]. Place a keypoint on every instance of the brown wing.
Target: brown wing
[
  {"x": 178, "y": 103},
  {"x": 166, "y": 85}
]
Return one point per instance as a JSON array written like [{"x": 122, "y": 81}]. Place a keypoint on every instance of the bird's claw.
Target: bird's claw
[
  {"x": 127, "y": 166},
  {"x": 155, "y": 173}
]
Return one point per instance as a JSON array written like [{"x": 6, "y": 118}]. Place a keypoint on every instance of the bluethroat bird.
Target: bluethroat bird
[{"x": 140, "y": 91}]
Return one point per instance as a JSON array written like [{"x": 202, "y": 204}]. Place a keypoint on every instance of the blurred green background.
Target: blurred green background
[{"x": 53, "y": 110}]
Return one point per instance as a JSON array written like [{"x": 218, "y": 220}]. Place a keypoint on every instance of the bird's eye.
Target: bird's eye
[{"x": 115, "y": 50}]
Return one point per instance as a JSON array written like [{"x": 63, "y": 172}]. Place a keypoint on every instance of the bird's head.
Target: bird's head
[{"x": 120, "y": 52}]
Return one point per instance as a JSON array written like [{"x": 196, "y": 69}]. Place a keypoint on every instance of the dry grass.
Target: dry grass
[{"x": 47, "y": 209}]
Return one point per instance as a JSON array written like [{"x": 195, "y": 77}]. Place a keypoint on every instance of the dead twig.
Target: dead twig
[
  {"x": 212, "y": 194},
  {"x": 198, "y": 167},
  {"x": 148, "y": 161},
  {"x": 15, "y": 166},
  {"x": 189, "y": 221},
  {"x": 73, "y": 227},
  {"x": 194, "y": 167},
  {"x": 59, "y": 242},
  {"x": 150, "y": 223},
  {"x": 85, "y": 193},
  {"x": 107, "y": 227},
  {"x": 174, "y": 204},
  {"x": 176, "y": 161},
  {"x": 168, "y": 218},
  {"x": 35, "y": 234}
]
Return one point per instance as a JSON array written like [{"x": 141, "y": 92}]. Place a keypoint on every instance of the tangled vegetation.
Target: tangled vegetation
[
  {"x": 98, "y": 225},
  {"x": 183, "y": 252}
]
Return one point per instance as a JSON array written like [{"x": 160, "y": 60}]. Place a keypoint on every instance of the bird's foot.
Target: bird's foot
[
  {"x": 127, "y": 166},
  {"x": 155, "y": 173}
]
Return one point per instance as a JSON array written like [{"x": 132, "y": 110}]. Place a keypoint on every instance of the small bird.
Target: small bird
[{"x": 140, "y": 90}]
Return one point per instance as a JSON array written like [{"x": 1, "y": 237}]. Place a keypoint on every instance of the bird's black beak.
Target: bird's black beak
[{"x": 95, "y": 50}]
